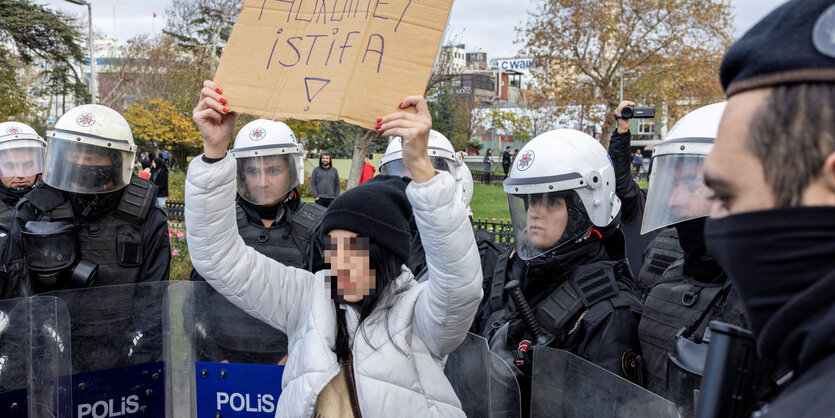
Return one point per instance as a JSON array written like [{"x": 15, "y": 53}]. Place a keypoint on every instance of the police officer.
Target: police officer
[
  {"x": 21, "y": 161},
  {"x": 772, "y": 171},
  {"x": 443, "y": 158},
  {"x": 568, "y": 257},
  {"x": 272, "y": 219},
  {"x": 694, "y": 290},
  {"x": 91, "y": 222}
]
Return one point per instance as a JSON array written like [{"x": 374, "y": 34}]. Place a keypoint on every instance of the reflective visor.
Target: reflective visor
[
  {"x": 265, "y": 181},
  {"x": 21, "y": 158},
  {"x": 677, "y": 191},
  {"x": 543, "y": 222},
  {"x": 78, "y": 167}
]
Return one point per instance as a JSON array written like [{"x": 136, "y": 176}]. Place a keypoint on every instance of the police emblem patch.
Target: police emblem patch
[
  {"x": 292, "y": 137},
  {"x": 525, "y": 160},
  {"x": 85, "y": 119},
  {"x": 257, "y": 134},
  {"x": 823, "y": 35},
  {"x": 11, "y": 130}
]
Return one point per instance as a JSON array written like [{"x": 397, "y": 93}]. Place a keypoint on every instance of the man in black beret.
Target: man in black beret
[{"x": 772, "y": 172}]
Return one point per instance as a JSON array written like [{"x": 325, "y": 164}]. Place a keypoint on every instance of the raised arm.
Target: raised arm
[
  {"x": 257, "y": 284},
  {"x": 446, "y": 307}
]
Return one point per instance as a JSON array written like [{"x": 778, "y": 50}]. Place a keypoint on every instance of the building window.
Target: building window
[{"x": 646, "y": 127}]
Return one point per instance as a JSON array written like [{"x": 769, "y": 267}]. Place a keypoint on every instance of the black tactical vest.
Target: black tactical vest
[
  {"x": 662, "y": 252},
  {"x": 6, "y": 215},
  {"x": 562, "y": 310},
  {"x": 286, "y": 241},
  {"x": 676, "y": 304},
  {"x": 114, "y": 241}
]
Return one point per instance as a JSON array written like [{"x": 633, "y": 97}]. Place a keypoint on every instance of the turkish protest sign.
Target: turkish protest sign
[{"x": 351, "y": 60}]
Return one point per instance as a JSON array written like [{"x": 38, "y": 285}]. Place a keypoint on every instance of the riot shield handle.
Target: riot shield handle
[
  {"x": 727, "y": 384},
  {"x": 540, "y": 337}
]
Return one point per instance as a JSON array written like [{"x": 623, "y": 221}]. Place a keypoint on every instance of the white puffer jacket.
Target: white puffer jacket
[{"x": 427, "y": 321}]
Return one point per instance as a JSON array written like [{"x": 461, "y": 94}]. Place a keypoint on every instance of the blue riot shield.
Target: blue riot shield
[
  {"x": 565, "y": 385},
  {"x": 484, "y": 383},
  {"x": 116, "y": 335},
  {"x": 34, "y": 358},
  {"x": 222, "y": 360}
]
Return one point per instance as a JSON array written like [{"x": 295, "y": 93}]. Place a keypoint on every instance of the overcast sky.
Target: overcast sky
[{"x": 482, "y": 25}]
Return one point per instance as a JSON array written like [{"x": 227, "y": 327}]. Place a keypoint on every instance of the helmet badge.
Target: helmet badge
[
  {"x": 525, "y": 160},
  {"x": 292, "y": 137},
  {"x": 11, "y": 130},
  {"x": 85, "y": 119},
  {"x": 257, "y": 134}
]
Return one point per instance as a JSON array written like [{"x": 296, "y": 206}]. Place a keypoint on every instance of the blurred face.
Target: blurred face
[
  {"x": 690, "y": 198},
  {"x": 153, "y": 164},
  {"x": 349, "y": 262},
  {"x": 547, "y": 217},
  {"x": 18, "y": 161},
  {"x": 267, "y": 179},
  {"x": 88, "y": 158},
  {"x": 734, "y": 174},
  {"x": 326, "y": 160}
]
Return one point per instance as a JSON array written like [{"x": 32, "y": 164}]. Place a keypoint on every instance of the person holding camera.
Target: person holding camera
[{"x": 633, "y": 198}]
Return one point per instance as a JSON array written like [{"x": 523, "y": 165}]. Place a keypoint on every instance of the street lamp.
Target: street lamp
[
  {"x": 93, "y": 84},
  {"x": 623, "y": 73}
]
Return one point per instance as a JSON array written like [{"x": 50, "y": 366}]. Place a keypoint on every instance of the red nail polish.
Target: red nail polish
[
  {"x": 378, "y": 127},
  {"x": 218, "y": 91},
  {"x": 222, "y": 100},
  {"x": 400, "y": 106},
  {"x": 379, "y": 120},
  {"x": 225, "y": 110}
]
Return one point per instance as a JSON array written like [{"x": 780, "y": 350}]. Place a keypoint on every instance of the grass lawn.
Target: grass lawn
[{"x": 489, "y": 202}]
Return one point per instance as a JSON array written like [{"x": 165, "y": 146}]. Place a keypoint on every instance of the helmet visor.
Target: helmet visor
[
  {"x": 543, "y": 222},
  {"x": 266, "y": 180},
  {"x": 21, "y": 158},
  {"x": 77, "y": 167},
  {"x": 677, "y": 191},
  {"x": 397, "y": 168}
]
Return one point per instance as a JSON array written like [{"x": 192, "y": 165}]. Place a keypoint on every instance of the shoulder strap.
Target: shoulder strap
[
  {"x": 661, "y": 253},
  {"x": 137, "y": 200},
  {"x": 62, "y": 212},
  {"x": 499, "y": 277},
  {"x": 306, "y": 219},
  {"x": 595, "y": 282},
  {"x": 240, "y": 216}
]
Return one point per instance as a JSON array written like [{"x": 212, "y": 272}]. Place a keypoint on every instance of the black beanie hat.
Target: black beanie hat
[
  {"x": 793, "y": 44},
  {"x": 377, "y": 209}
]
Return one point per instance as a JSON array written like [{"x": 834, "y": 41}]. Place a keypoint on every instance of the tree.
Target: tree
[
  {"x": 158, "y": 124},
  {"x": 202, "y": 27},
  {"x": 30, "y": 32},
  {"x": 674, "y": 48}
]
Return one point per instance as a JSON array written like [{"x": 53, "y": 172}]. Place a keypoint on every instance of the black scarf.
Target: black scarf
[
  {"x": 697, "y": 262},
  {"x": 543, "y": 274},
  {"x": 94, "y": 206},
  {"x": 782, "y": 262}
]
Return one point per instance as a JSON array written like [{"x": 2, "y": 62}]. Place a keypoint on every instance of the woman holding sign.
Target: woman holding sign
[{"x": 365, "y": 338}]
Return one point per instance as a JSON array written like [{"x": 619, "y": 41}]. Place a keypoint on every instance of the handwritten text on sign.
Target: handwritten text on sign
[{"x": 353, "y": 60}]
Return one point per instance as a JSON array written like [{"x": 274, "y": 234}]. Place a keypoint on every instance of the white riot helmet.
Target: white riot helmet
[
  {"x": 90, "y": 150},
  {"x": 677, "y": 192},
  {"x": 562, "y": 185},
  {"x": 443, "y": 158},
  {"x": 269, "y": 162},
  {"x": 21, "y": 153}
]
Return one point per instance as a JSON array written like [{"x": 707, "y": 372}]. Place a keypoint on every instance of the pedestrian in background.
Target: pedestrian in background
[
  {"x": 487, "y": 166},
  {"x": 324, "y": 181},
  {"x": 159, "y": 176},
  {"x": 368, "y": 169},
  {"x": 506, "y": 160}
]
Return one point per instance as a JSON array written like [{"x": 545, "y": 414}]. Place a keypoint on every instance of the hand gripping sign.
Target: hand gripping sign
[{"x": 350, "y": 60}]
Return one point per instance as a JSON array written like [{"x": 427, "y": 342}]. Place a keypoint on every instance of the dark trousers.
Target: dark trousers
[
  {"x": 323, "y": 201},
  {"x": 506, "y": 168}
]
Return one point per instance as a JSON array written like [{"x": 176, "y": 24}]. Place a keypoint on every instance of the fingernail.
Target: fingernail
[
  {"x": 400, "y": 106},
  {"x": 218, "y": 91},
  {"x": 378, "y": 127},
  {"x": 222, "y": 100},
  {"x": 225, "y": 110},
  {"x": 379, "y": 120}
]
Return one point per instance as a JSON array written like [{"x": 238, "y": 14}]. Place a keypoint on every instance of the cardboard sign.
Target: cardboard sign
[{"x": 351, "y": 60}]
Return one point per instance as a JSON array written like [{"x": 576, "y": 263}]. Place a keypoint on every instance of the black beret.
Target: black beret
[
  {"x": 377, "y": 209},
  {"x": 793, "y": 44}
]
